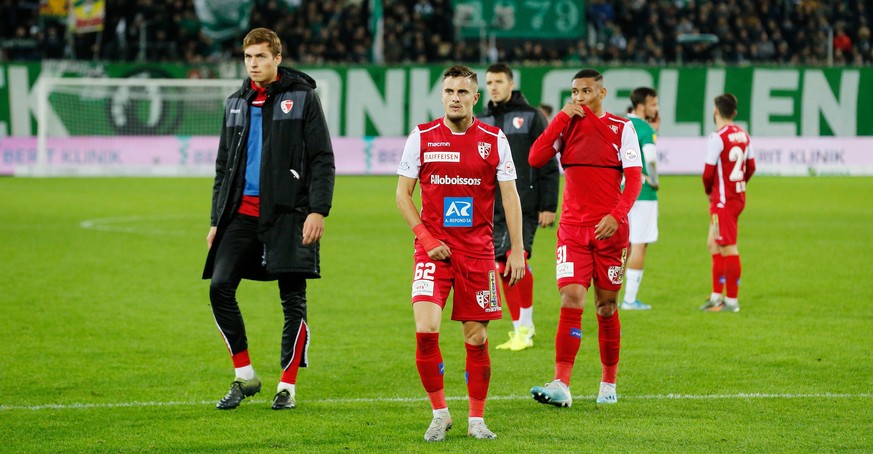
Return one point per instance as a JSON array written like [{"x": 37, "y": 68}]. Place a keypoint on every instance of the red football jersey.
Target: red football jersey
[
  {"x": 594, "y": 153},
  {"x": 458, "y": 174},
  {"x": 729, "y": 151}
]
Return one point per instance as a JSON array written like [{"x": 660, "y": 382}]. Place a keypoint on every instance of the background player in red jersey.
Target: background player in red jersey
[
  {"x": 730, "y": 164},
  {"x": 596, "y": 148},
  {"x": 459, "y": 162}
]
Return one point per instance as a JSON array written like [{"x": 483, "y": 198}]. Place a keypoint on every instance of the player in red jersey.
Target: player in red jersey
[
  {"x": 730, "y": 164},
  {"x": 459, "y": 162},
  {"x": 596, "y": 148}
]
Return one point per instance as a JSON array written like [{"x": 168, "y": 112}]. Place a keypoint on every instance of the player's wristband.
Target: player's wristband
[{"x": 427, "y": 240}]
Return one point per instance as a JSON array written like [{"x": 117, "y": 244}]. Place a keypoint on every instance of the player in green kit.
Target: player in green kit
[{"x": 643, "y": 216}]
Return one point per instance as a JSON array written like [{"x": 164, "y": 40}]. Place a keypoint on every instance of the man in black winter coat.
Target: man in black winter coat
[
  {"x": 538, "y": 189},
  {"x": 274, "y": 179}
]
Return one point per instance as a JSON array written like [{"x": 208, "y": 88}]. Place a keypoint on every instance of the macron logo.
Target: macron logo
[
  {"x": 439, "y": 144},
  {"x": 233, "y": 111}
]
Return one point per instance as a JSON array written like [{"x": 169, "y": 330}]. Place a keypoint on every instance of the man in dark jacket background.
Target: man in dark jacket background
[
  {"x": 538, "y": 189},
  {"x": 274, "y": 179}
]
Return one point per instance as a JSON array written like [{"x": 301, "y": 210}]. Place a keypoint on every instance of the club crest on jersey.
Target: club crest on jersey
[
  {"x": 286, "y": 105},
  {"x": 518, "y": 122},
  {"x": 458, "y": 212},
  {"x": 484, "y": 150},
  {"x": 614, "y": 128}
]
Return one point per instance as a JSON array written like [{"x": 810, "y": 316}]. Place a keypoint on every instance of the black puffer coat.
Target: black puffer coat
[
  {"x": 537, "y": 188},
  {"x": 297, "y": 173}
]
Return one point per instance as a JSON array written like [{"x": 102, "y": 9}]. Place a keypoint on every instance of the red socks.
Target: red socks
[
  {"x": 519, "y": 295},
  {"x": 429, "y": 360},
  {"x": 241, "y": 359},
  {"x": 289, "y": 374},
  {"x": 732, "y": 271},
  {"x": 717, "y": 273},
  {"x": 567, "y": 341},
  {"x": 510, "y": 294},
  {"x": 609, "y": 336},
  {"x": 478, "y": 375}
]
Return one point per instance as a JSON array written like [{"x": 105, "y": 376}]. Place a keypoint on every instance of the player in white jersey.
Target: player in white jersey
[{"x": 459, "y": 162}]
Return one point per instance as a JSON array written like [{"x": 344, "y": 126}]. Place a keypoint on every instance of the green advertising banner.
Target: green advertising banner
[
  {"x": 562, "y": 19},
  {"x": 369, "y": 101}
]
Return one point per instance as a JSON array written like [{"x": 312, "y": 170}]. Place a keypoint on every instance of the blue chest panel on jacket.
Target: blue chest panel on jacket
[{"x": 253, "y": 157}]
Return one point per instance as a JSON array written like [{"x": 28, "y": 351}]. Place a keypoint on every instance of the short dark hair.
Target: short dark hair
[
  {"x": 589, "y": 74},
  {"x": 461, "y": 71},
  {"x": 640, "y": 94},
  {"x": 726, "y": 105},
  {"x": 500, "y": 68},
  {"x": 547, "y": 109},
  {"x": 263, "y": 35}
]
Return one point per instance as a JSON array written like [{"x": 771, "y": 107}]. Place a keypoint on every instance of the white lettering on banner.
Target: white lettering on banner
[
  {"x": 424, "y": 98},
  {"x": 818, "y": 99},
  {"x": 330, "y": 89},
  {"x": 364, "y": 101},
  {"x": 23, "y": 99},
  {"x": 620, "y": 83},
  {"x": 668, "y": 99},
  {"x": 457, "y": 180},
  {"x": 442, "y": 156}
]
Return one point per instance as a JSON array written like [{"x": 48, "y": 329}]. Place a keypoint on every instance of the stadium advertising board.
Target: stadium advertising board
[
  {"x": 195, "y": 156},
  {"x": 369, "y": 109}
]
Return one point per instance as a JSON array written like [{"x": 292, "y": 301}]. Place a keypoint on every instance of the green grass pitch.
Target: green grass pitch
[{"x": 109, "y": 343}]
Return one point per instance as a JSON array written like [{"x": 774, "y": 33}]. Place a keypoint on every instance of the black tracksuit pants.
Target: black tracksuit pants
[{"x": 239, "y": 249}]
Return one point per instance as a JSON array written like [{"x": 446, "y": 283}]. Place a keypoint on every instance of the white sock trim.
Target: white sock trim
[
  {"x": 245, "y": 372},
  {"x": 525, "y": 317},
  {"x": 292, "y": 389},
  {"x": 441, "y": 413}
]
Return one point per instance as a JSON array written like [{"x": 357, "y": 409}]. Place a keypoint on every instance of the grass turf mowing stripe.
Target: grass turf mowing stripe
[{"x": 78, "y": 406}]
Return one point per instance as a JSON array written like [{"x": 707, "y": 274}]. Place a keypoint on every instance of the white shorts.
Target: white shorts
[{"x": 643, "y": 219}]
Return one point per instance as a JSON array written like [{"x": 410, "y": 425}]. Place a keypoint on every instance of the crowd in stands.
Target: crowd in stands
[{"x": 793, "y": 32}]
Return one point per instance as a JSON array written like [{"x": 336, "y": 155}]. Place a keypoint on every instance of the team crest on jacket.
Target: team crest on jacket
[
  {"x": 518, "y": 122},
  {"x": 614, "y": 128},
  {"x": 484, "y": 150},
  {"x": 286, "y": 105}
]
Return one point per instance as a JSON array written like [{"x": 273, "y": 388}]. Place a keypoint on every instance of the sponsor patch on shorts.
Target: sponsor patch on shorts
[
  {"x": 564, "y": 270},
  {"x": 616, "y": 274},
  {"x": 487, "y": 299},
  {"x": 422, "y": 288}
]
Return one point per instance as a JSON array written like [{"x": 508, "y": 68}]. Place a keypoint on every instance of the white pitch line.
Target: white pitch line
[
  {"x": 77, "y": 406},
  {"x": 129, "y": 224}
]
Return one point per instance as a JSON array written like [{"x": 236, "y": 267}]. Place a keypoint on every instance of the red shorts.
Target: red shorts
[
  {"x": 580, "y": 257},
  {"x": 474, "y": 280},
  {"x": 723, "y": 223}
]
